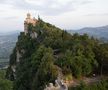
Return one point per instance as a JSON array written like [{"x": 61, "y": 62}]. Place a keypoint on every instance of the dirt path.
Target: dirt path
[{"x": 86, "y": 80}]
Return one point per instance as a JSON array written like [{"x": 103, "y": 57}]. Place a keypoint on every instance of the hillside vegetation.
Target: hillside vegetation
[
  {"x": 55, "y": 52},
  {"x": 4, "y": 83},
  {"x": 102, "y": 85}
]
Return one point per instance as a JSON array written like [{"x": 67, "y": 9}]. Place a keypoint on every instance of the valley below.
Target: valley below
[{"x": 7, "y": 43}]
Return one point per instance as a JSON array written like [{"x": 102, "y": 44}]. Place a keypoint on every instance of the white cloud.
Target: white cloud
[
  {"x": 45, "y": 6},
  {"x": 63, "y": 13},
  {"x": 48, "y": 7}
]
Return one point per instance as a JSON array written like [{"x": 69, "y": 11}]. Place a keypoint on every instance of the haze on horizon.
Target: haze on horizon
[{"x": 66, "y": 14}]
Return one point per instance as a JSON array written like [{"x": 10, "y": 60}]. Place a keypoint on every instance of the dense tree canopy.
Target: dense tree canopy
[{"x": 54, "y": 49}]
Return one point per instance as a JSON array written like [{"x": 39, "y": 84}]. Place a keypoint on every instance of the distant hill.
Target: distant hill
[
  {"x": 97, "y": 32},
  {"x": 7, "y": 43}
]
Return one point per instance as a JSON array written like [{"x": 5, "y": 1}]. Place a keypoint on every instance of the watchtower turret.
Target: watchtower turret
[
  {"x": 27, "y": 21},
  {"x": 28, "y": 15}
]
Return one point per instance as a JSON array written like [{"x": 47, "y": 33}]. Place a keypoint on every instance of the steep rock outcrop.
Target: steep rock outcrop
[
  {"x": 18, "y": 56},
  {"x": 33, "y": 63},
  {"x": 33, "y": 35}
]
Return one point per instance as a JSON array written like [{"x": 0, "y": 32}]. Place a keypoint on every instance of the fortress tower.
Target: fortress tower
[{"x": 27, "y": 21}]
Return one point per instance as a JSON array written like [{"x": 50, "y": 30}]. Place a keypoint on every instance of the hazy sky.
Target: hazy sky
[{"x": 66, "y": 14}]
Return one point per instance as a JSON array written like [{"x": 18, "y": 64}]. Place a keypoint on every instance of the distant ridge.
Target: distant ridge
[
  {"x": 10, "y": 32},
  {"x": 97, "y": 32}
]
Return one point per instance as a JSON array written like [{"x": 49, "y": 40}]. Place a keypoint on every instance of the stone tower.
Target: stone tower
[{"x": 27, "y": 21}]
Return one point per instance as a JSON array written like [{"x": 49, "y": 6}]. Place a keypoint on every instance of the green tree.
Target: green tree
[
  {"x": 4, "y": 83},
  {"x": 46, "y": 73}
]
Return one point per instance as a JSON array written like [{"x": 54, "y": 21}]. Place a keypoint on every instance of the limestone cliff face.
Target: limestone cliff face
[
  {"x": 13, "y": 63},
  {"x": 22, "y": 44},
  {"x": 18, "y": 56},
  {"x": 20, "y": 52},
  {"x": 33, "y": 35}
]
